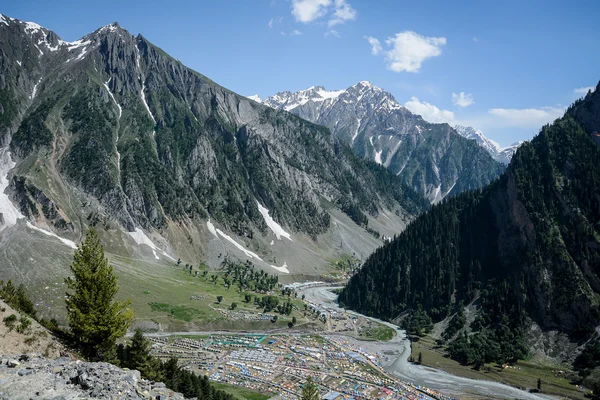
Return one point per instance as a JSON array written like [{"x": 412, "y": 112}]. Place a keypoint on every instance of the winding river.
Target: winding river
[{"x": 398, "y": 350}]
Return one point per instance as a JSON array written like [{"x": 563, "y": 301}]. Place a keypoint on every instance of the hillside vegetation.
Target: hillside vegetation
[{"x": 525, "y": 248}]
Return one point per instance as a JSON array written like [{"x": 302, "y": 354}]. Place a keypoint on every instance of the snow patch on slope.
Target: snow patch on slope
[
  {"x": 32, "y": 27},
  {"x": 357, "y": 128},
  {"x": 145, "y": 102},
  {"x": 231, "y": 240},
  {"x": 283, "y": 268},
  {"x": 140, "y": 238},
  {"x": 118, "y": 127},
  {"x": 9, "y": 212},
  {"x": 76, "y": 44},
  {"x": 112, "y": 96},
  {"x": 34, "y": 92},
  {"x": 217, "y": 232},
  {"x": 68, "y": 242},
  {"x": 211, "y": 228},
  {"x": 274, "y": 226},
  {"x": 378, "y": 157},
  {"x": 391, "y": 154},
  {"x": 83, "y": 53}
]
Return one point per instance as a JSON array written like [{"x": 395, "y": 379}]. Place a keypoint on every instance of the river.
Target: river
[{"x": 398, "y": 350}]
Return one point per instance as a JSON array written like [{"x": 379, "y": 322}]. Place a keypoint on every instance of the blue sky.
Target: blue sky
[{"x": 511, "y": 65}]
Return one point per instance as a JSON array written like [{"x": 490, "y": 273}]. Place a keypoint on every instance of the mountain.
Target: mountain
[
  {"x": 500, "y": 154},
  {"x": 110, "y": 131},
  {"x": 432, "y": 158},
  {"x": 526, "y": 248}
]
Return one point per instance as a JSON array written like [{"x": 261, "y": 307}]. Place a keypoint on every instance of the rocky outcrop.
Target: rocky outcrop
[{"x": 30, "y": 376}]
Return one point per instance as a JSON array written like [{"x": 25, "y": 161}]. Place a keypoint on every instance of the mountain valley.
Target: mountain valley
[{"x": 182, "y": 240}]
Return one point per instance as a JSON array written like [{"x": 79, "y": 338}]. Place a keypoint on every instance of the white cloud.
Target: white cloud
[
  {"x": 462, "y": 99},
  {"x": 408, "y": 50},
  {"x": 526, "y": 119},
  {"x": 333, "y": 32},
  {"x": 296, "y": 32},
  {"x": 376, "y": 48},
  {"x": 306, "y": 11},
  {"x": 530, "y": 118},
  {"x": 583, "y": 90},
  {"x": 338, "y": 11},
  {"x": 343, "y": 12},
  {"x": 429, "y": 112},
  {"x": 274, "y": 21},
  {"x": 475, "y": 39}
]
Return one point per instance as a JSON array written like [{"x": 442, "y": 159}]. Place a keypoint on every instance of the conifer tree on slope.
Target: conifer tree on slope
[
  {"x": 95, "y": 318},
  {"x": 310, "y": 390}
]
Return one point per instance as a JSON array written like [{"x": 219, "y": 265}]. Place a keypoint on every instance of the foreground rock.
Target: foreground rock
[{"x": 35, "y": 377}]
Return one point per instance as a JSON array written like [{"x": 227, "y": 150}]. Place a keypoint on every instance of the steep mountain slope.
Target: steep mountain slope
[
  {"x": 500, "y": 154},
  {"x": 526, "y": 245},
  {"x": 111, "y": 131},
  {"x": 432, "y": 158}
]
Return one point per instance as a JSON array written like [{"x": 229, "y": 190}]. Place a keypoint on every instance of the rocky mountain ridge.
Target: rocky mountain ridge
[
  {"x": 110, "y": 131},
  {"x": 432, "y": 158}
]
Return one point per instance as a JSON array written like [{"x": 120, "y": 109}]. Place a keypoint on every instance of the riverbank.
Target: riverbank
[
  {"x": 399, "y": 349},
  {"x": 522, "y": 374}
]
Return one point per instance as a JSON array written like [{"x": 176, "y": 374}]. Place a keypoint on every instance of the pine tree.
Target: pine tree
[
  {"x": 310, "y": 390},
  {"x": 95, "y": 318},
  {"x": 138, "y": 353}
]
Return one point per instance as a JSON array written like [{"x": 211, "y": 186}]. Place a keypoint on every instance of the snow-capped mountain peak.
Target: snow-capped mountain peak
[
  {"x": 377, "y": 127},
  {"x": 501, "y": 154},
  {"x": 256, "y": 98},
  {"x": 322, "y": 99},
  {"x": 288, "y": 101},
  {"x": 471, "y": 133}
]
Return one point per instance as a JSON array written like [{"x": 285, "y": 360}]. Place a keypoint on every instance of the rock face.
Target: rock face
[
  {"x": 432, "y": 158},
  {"x": 153, "y": 140},
  {"x": 37, "y": 377},
  {"x": 111, "y": 131}
]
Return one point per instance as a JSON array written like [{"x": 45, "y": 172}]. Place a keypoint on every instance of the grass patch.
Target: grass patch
[
  {"x": 382, "y": 332},
  {"x": 240, "y": 392},
  {"x": 178, "y": 312},
  {"x": 522, "y": 374},
  {"x": 165, "y": 293}
]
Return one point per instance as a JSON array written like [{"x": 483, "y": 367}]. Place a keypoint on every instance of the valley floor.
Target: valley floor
[
  {"x": 280, "y": 364},
  {"x": 521, "y": 374},
  {"x": 168, "y": 298},
  {"x": 399, "y": 349}
]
